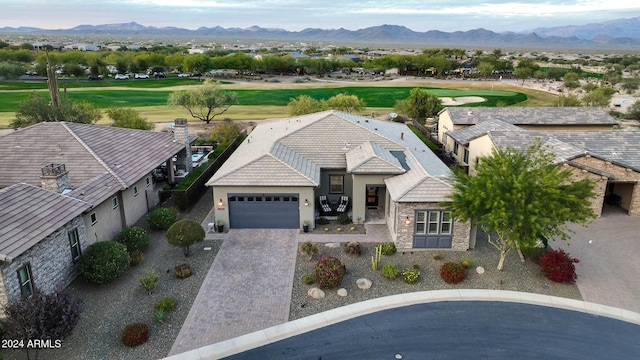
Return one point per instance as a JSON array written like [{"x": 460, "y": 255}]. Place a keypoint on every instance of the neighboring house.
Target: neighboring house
[
  {"x": 276, "y": 176},
  {"x": 43, "y": 234},
  {"x": 95, "y": 179},
  {"x": 459, "y": 127},
  {"x": 592, "y": 149}
]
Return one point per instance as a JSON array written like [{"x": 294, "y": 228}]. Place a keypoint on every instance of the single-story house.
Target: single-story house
[
  {"x": 67, "y": 184},
  {"x": 275, "y": 179}
]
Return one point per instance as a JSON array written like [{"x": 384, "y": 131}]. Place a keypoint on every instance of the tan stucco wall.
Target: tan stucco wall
[
  {"x": 108, "y": 225},
  {"x": 478, "y": 147},
  {"x": 136, "y": 206},
  {"x": 221, "y": 192},
  {"x": 444, "y": 124},
  {"x": 616, "y": 173},
  {"x": 403, "y": 237},
  {"x": 359, "y": 199}
]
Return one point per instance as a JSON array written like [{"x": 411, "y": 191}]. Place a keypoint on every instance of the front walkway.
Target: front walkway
[{"x": 247, "y": 289}]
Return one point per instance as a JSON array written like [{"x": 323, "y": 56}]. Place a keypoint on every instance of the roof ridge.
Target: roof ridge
[
  {"x": 287, "y": 164},
  {"x": 95, "y": 156}
]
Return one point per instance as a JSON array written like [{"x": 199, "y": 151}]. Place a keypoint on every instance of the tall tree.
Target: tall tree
[
  {"x": 304, "y": 104},
  {"x": 599, "y": 97},
  {"x": 522, "y": 197},
  {"x": 35, "y": 109},
  {"x": 204, "y": 102},
  {"x": 185, "y": 233},
  {"x": 421, "y": 104},
  {"x": 128, "y": 118},
  {"x": 346, "y": 103}
]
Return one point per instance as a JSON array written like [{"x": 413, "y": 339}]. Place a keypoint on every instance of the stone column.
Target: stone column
[{"x": 181, "y": 136}]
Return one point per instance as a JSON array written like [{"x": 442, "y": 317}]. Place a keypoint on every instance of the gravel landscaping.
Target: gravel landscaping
[
  {"x": 517, "y": 276},
  {"x": 109, "y": 308}
]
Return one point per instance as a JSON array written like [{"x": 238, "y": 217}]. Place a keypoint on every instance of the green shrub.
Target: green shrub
[
  {"x": 388, "y": 248},
  {"x": 353, "y": 248},
  {"x": 466, "y": 263},
  {"x": 148, "y": 281},
  {"x": 136, "y": 258},
  {"x": 135, "y": 334},
  {"x": 416, "y": 266},
  {"x": 343, "y": 219},
  {"x": 134, "y": 238},
  {"x": 185, "y": 233},
  {"x": 452, "y": 273},
  {"x": 166, "y": 304},
  {"x": 162, "y": 218},
  {"x": 103, "y": 262},
  {"x": 308, "y": 248},
  {"x": 328, "y": 272},
  {"x": 390, "y": 271},
  {"x": 437, "y": 256},
  {"x": 160, "y": 315},
  {"x": 410, "y": 275},
  {"x": 322, "y": 221},
  {"x": 308, "y": 279}
]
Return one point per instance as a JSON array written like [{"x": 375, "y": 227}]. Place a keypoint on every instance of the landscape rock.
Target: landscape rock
[
  {"x": 480, "y": 270},
  {"x": 342, "y": 292},
  {"x": 363, "y": 283},
  {"x": 316, "y": 293},
  {"x": 332, "y": 245}
]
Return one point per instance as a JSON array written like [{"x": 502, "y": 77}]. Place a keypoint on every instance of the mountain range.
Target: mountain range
[{"x": 615, "y": 34}]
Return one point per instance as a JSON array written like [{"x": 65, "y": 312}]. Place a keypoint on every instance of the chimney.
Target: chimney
[
  {"x": 55, "y": 178},
  {"x": 181, "y": 136}
]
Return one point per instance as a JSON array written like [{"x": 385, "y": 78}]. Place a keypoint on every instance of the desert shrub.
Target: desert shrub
[
  {"x": 134, "y": 238},
  {"x": 353, "y": 248},
  {"x": 436, "y": 256},
  {"x": 160, "y": 315},
  {"x": 322, "y": 221},
  {"x": 388, "y": 248},
  {"x": 559, "y": 266},
  {"x": 136, "y": 258},
  {"x": 390, "y": 271},
  {"x": 185, "y": 233},
  {"x": 416, "y": 266},
  {"x": 308, "y": 279},
  {"x": 343, "y": 219},
  {"x": 410, "y": 275},
  {"x": 103, "y": 262},
  {"x": 148, "y": 281},
  {"x": 41, "y": 316},
  {"x": 466, "y": 263},
  {"x": 162, "y": 218},
  {"x": 166, "y": 304},
  {"x": 135, "y": 334},
  {"x": 452, "y": 273},
  {"x": 328, "y": 272},
  {"x": 308, "y": 248}
]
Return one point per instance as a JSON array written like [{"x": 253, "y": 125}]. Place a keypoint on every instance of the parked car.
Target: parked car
[
  {"x": 121, "y": 77},
  {"x": 183, "y": 75},
  {"x": 159, "y": 75},
  {"x": 141, "y": 76},
  {"x": 94, "y": 77}
]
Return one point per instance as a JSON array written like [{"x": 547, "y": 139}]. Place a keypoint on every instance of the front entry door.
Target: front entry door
[{"x": 372, "y": 196}]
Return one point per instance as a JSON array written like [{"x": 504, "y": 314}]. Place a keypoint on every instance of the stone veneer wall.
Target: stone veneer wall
[
  {"x": 50, "y": 260},
  {"x": 403, "y": 237},
  {"x": 599, "y": 189},
  {"x": 618, "y": 173}
]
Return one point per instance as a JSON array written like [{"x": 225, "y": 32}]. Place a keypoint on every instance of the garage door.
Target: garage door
[{"x": 264, "y": 211}]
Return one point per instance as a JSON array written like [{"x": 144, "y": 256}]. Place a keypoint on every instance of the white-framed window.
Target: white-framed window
[
  {"x": 114, "y": 202},
  {"x": 135, "y": 190},
  {"x": 25, "y": 280},
  {"x": 148, "y": 181},
  {"x": 94, "y": 218},
  {"x": 466, "y": 156},
  {"x": 455, "y": 148},
  {"x": 434, "y": 222},
  {"x": 74, "y": 244},
  {"x": 336, "y": 184}
]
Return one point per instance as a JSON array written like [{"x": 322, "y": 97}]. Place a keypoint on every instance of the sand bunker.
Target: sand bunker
[{"x": 446, "y": 101}]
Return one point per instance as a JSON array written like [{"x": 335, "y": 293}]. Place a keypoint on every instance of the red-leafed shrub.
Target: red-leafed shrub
[
  {"x": 452, "y": 273},
  {"x": 558, "y": 266},
  {"x": 135, "y": 334},
  {"x": 328, "y": 272}
]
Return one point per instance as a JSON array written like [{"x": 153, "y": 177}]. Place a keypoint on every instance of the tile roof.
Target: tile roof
[
  {"x": 88, "y": 152},
  {"x": 48, "y": 211},
  {"x": 520, "y": 140},
  {"x": 306, "y": 144},
  {"x": 370, "y": 158},
  {"x": 532, "y": 115},
  {"x": 466, "y": 134}
]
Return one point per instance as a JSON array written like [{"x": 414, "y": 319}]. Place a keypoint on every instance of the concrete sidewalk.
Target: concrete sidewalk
[{"x": 248, "y": 288}]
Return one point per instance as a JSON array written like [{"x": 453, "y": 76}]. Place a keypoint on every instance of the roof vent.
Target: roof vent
[{"x": 401, "y": 136}]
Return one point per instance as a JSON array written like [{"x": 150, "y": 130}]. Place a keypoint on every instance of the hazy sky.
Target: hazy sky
[{"x": 418, "y": 15}]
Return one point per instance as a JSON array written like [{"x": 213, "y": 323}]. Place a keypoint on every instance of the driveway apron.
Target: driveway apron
[
  {"x": 247, "y": 288},
  {"x": 608, "y": 251}
]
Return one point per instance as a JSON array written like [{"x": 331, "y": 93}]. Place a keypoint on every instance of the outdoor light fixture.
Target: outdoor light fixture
[
  {"x": 408, "y": 221},
  {"x": 306, "y": 202},
  {"x": 220, "y": 202}
]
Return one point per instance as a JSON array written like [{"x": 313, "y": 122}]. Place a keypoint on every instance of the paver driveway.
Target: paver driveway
[
  {"x": 609, "y": 269},
  {"x": 248, "y": 288}
]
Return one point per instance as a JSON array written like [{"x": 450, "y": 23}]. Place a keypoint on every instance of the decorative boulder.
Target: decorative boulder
[
  {"x": 480, "y": 270},
  {"x": 342, "y": 292},
  {"x": 332, "y": 245},
  {"x": 316, "y": 293},
  {"x": 363, "y": 283}
]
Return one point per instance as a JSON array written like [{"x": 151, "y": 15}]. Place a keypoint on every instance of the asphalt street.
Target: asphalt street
[{"x": 459, "y": 330}]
